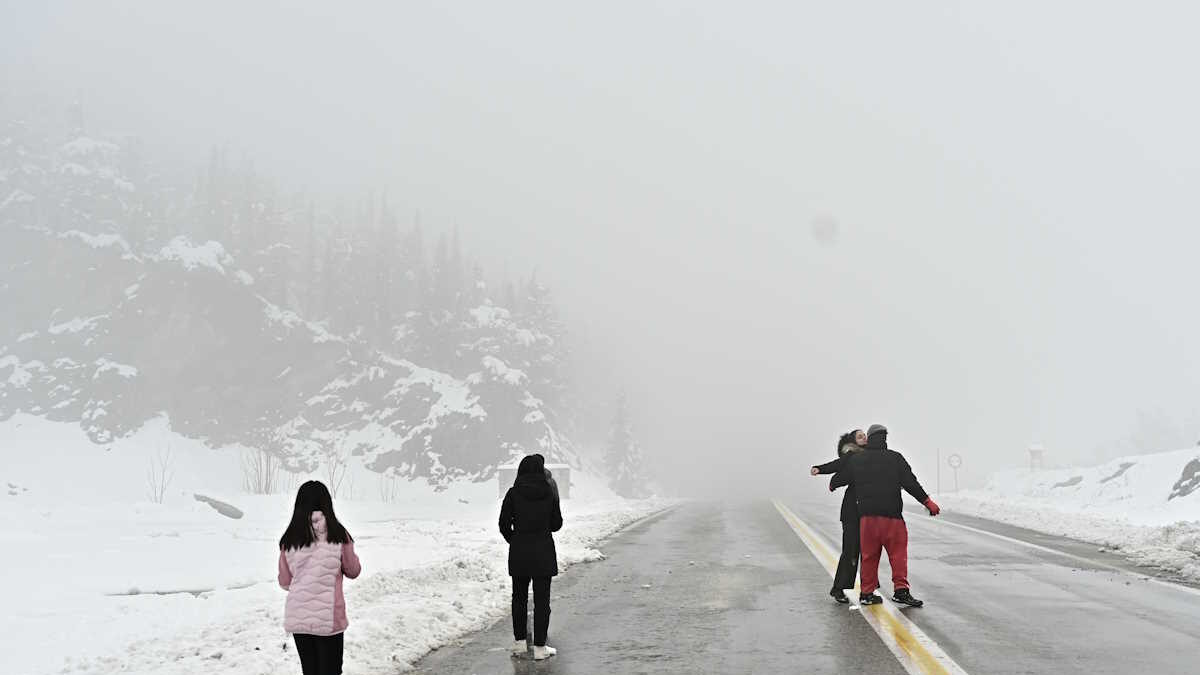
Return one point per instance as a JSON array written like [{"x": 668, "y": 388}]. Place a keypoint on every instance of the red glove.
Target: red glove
[
  {"x": 831, "y": 488},
  {"x": 934, "y": 509}
]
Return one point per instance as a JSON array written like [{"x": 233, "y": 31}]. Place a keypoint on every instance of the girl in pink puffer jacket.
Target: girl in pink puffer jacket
[{"x": 315, "y": 553}]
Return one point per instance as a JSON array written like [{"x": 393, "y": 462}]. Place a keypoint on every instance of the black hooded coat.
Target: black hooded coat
[
  {"x": 529, "y": 515},
  {"x": 849, "y": 512},
  {"x": 878, "y": 474}
]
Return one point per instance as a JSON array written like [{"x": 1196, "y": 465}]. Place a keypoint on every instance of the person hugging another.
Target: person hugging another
[{"x": 878, "y": 474}]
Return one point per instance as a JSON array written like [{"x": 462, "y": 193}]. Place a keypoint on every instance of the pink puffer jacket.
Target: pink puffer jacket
[{"x": 312, "y": 576}]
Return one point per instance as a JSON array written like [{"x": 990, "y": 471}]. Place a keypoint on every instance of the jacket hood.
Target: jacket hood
[
  {"x": 532, "y": 486},
  {"x": 533, "y": 480},
  {"x": 849, "y": 449},
  {"x": 319, "y": 528},
  {"x": 532, "y": 464}
]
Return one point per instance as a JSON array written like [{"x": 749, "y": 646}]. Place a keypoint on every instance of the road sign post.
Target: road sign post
[{"x": 955, "y": 461}]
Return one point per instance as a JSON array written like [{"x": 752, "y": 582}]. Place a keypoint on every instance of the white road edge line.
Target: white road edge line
[
  {"x": 916, "y": 651},
  {"x": 1065, "y": 554}
]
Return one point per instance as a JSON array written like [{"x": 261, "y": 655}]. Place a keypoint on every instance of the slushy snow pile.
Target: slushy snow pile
[
  {"x": 101, "y": 579},
  {"x": 1146, "y": 507}
]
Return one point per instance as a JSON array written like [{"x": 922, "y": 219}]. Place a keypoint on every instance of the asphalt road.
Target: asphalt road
[{"x": 730, "y": 588}]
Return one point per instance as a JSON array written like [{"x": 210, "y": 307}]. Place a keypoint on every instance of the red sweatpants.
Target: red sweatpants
[{"x": 877, "y": 533}]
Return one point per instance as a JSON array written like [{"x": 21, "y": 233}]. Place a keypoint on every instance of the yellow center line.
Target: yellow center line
[{"x": 916, "y": 651}]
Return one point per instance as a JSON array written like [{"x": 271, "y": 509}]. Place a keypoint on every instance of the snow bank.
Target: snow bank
[
  {"x": 124, "y": 370},
  {"x": 489, "y": 315},
  {"x": 21, "y": 374},
  {"x": 501, "y": 371},
  {"x": 178, "y": 588},
  {"x": 17, "y": 196},
  {"x": 87, "y": 147},
  {"x": 104, "y": 240},
  {"x": 76, "y": 325},
  {"x": 209, "y": 255},
  {"x": 1145, "y": 506},
  {"x": 454, "y": 396},
  {"x": 289, "y": 319}
]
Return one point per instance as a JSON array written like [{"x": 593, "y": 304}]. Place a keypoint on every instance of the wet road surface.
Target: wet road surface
[{"x": 729, "y": 588}]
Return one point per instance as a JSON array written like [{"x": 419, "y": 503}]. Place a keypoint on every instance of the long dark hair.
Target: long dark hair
[
  {"x": 847, "y": 438},
  {"x": 312, "y": 496}
]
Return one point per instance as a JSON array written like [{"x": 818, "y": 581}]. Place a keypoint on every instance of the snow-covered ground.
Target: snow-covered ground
[
  {"x": 101, "y": 579},
  {"x": 1144, "y": 506}
]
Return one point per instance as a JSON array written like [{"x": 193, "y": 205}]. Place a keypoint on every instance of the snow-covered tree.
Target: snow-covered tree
[
  {"x": 623, "y": 456},
  {"x": 303, "y": 296}
]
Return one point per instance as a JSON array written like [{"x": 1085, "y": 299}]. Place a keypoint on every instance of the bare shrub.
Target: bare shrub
[
  {"x": 336, "y": 468},
  {"x": 159, "y": 473},
  {"x": 291, "y": 481},
  {"x": 260, "y": 472},
  {"x": 389, "y": 487}
]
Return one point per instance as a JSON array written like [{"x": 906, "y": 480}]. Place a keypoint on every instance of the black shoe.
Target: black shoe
[
  {"x": 869, "y": 599},
  {"x": 839, "y": 595},
  {"x": 903, "y": 597}
]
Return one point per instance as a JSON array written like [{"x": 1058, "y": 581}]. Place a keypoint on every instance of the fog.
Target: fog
[{"x": 769, "y": 224}]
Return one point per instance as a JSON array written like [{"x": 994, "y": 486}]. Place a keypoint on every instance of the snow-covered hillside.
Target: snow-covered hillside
[
  {"x": 126, "y": 299},
  {"x": 103, "y": 579},
  {"x": 1145, "y": 506}
]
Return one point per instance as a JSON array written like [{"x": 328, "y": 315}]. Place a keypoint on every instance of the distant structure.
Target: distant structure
[
  {"x": 1037, "y": 457},
  {"x": 506, "y": 474}
]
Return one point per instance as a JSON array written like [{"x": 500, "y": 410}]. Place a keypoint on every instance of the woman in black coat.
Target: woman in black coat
[
  {"x": 847, "y": 568},
  {"x": 528, "y": 516}
]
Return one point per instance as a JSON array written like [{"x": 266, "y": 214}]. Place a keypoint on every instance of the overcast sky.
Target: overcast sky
[{"x": 1013, "y": 188}]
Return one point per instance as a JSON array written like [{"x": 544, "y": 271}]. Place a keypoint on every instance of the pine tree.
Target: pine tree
[
  {"x": 443, "y": 276},
  {"x": 331, "y": 277},
  {"x": 476, "y": 292},
  {"x": 312, "y": 278},
  {"x": 546, "y": 359},
  {"x": 623, "y": 456},
  {"x": 510, "y": 296},
  {"x": 457, "y": 274},
  {"x": 386, "y": 258},
  {"x": 415, "y": 264}
]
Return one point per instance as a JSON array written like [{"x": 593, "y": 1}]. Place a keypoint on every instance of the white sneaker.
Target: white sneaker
[
  {"x": 543, "y": 653},
  {"x": 520, "y": 648}
]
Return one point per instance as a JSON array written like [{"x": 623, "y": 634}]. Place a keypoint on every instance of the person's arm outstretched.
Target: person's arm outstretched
[
  {"x": 829, "y": 467},
  {"x": 844, "y": 477},
  {"x": 912, "y": 486}
]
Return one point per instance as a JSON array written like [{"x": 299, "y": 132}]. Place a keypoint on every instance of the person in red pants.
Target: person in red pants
[{"x": 878, "y": 474}]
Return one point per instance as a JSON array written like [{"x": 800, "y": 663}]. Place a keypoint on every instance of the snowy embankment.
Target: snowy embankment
[
  {"x": 1146, "y": 507},
  {"x": 102, "y": 579}
]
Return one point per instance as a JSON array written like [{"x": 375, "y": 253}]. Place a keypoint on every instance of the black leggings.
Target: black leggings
[
  {"x": 319, "y": 654},
  {"x": 541, "y": 609},
  {"x": 847, "y": 568}
]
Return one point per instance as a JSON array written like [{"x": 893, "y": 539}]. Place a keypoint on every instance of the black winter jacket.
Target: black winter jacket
[
  {"x": 849, "y": 499},
  {"x": 529, "y": 514},
  {"x": 877, "y": 475}
]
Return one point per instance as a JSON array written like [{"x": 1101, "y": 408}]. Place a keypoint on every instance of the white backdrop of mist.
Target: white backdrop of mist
[{"x": 770, "y": 223}]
